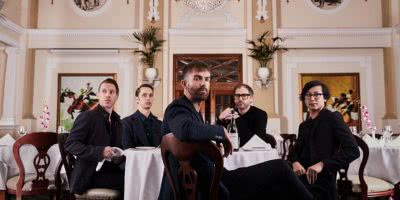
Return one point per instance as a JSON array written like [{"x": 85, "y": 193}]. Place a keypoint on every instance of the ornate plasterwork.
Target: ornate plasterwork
[
  {"x": 90, "y": 11},
  {"x": 336, "y": 37},
  {"x": 205, "y": 6},
  {"x": 81, "y": 38}
]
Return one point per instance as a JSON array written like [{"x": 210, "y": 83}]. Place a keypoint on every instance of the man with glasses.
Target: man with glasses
[
  {"x": 324, "y": 145},
  {"x": 250, "y": 120}
]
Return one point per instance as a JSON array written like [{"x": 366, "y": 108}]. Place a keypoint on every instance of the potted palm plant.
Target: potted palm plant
[
  {"x": 263, "y": 49},
  {"x": 151, "y": 45}
]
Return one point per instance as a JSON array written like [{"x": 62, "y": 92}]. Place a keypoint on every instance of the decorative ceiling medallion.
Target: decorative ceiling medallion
[
  {"x": 90, "y": 8},
  {"x": 90, "y": 5},
  {"x": 205, "y": 6},
  {"x": 1, "y": 4},
  {"x": 327, "y": 6}
]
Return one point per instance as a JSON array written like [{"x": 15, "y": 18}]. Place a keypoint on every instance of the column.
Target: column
[{"x": 8, "y": 117}]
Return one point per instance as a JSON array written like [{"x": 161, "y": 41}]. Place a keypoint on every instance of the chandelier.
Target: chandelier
[{"x": 205, "y": 6}]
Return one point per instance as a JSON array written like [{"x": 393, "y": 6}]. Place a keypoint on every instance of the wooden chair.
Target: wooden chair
[
  {"x": 183, "y": 152},
  {"x": 39, "y": 183},
  {"x": 287, "y": 144},
  {"x": 362, "y": 186},
  {"x": 68, "y": 160}
]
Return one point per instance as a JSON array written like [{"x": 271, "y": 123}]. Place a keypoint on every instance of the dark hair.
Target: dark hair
[
  {"x": 110, "y": 81},
  {"x": 142, "y": 86},
  {"x": 194, "y": 66},
  {"x": 311, "y": 84},
  {"x": 245, "y": 86}
]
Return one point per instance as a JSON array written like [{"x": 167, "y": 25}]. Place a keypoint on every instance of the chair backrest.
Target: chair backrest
[
  {"x": 184, "y": 152},
  {"x": 42, "y": 141},
  {"x": 344, "y": 185},
  {"x": 287, "y": 144},
  {"x": 67, "y": 160}
]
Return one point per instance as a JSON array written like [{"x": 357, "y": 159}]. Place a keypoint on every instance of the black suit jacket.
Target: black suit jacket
[
  {"x": 90, "y": 134},
  {"x": 328, "y": 140},
  {"x": 187, "y": 125},
  {"x": 134, "y": 133}
]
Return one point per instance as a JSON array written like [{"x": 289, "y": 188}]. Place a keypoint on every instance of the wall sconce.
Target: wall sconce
[
  {"x": 264, "y": 78},
  {"x": 262, "y": 14},
  {"x": 153, "y": 11},
  {"x": 151, "y": 77}
]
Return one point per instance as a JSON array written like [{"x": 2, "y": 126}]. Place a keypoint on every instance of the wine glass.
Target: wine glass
[
  {"x": 353, "y": 130},
  {"x": 22, "y": 130},
  {"x": 387, "y": 133},
  {"x": 61, "y": 129}
]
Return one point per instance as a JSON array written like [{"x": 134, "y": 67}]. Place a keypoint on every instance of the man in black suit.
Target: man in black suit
[
  {"x": 250, "y": 120},
  {"x": 272, "y": 179},
  {"x": 92, "y": 139},
  {"x": 142, "y": 128},
  {"x": 325, "y": 144}
]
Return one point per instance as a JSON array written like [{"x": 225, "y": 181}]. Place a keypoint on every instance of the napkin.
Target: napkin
[
  {"x": 7, "y": 140},
  {"x": 117, "y": 153},
  {"x": 371, "y": 142},
  {"x": 256, "y": 143}
]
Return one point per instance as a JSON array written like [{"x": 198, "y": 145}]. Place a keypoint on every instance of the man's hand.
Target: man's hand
[
  {"x": 298, "y": 169},
  {"x": 108, "y": 152},
  {"x": 227, "y": 114},
  {"x": 313, "y": 171},
  {"x": 227, "y": 144}
]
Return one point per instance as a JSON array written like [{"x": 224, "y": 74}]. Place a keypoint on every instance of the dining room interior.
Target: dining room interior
[{"x": 55, "y": 53}]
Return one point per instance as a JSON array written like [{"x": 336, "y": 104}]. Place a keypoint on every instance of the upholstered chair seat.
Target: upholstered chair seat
[
  {"x": 12, "y": 182},
  {"x": 99, "y": 194},
  {"x": 374, "y": 184}
]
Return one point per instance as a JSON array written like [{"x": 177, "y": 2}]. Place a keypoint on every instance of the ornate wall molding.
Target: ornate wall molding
[
  {"x": 207, "y": 38},
  {"x": 10, "y": 32},
  {"x": 336, "y": 37},
  {"x": 292, "y": 68},
  {"x": 80, "y": 38},
  {"x": 10, "y": 25},
  {"x": 123, "y": 64}
]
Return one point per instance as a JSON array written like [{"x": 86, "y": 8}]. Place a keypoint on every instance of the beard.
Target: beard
[{"x": 199, "y": 94}]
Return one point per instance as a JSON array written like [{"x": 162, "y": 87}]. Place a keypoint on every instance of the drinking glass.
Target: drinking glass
[
  {"x": 22, "y": 130},
  {"x": 60, "y": 129}
]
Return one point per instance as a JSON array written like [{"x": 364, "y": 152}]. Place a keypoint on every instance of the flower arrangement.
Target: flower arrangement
[
  {"x": 365, "y": 118},
  {"x": 45, "y": 117}
]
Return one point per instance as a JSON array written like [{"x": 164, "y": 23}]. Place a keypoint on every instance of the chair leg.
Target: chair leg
[{"x": 2, "y": 195}]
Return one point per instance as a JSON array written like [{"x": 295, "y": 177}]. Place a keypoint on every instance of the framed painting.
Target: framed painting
[
  {"x": 345, "y": 95},
  {"x": 76, "y": 93}
]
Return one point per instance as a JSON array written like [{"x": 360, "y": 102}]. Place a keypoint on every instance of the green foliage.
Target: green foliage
[
  {"x": 152, "y": 45},
  {"x": 264, "y": 49}
]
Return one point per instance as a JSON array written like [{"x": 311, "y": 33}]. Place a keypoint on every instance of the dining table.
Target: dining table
[{"x": 144, "y": 169}]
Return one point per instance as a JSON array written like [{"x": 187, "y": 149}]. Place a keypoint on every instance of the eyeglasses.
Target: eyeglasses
[
  {"x": 243, "y": 96},
  {"x": 315, "y": 95}
]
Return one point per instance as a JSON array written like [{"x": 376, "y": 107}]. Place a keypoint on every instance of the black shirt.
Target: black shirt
[
  {"x": 254, "y": 121},
  {"x": 148, "y": 124}
]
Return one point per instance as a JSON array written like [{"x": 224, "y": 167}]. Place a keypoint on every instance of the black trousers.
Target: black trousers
[
  {"x": 268, "y": 180},
  {"x": 110, "y": 176}
]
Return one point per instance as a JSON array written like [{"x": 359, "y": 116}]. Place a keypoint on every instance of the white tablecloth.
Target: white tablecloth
[
  {"x": 9, "y": 168},
  {"x": 383, "y": 162},
  {"x": 144, "y": 169}
]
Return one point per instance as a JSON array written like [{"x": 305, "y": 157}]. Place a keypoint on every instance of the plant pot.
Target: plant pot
[
  {"x": 150, "y": 73},
  {"x": 263, "y": 73}
]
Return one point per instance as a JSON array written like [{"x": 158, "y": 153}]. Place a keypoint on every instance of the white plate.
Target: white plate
[
  {"x": 144, "y": 148},
  {"x": 256, "y": 149}
]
